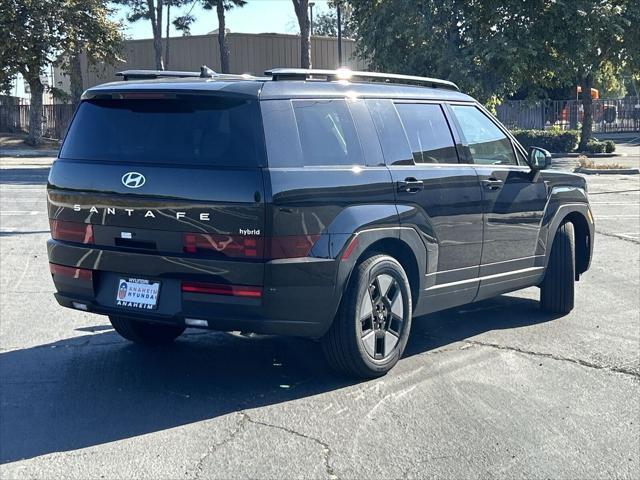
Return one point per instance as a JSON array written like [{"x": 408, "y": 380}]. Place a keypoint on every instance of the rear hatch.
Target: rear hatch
[{"x": 172, "y": 179}]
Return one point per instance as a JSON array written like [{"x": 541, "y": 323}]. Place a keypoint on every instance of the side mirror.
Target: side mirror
[{"x": 539, "y": 159}]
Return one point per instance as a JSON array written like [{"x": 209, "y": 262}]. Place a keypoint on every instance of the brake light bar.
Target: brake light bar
[
  {"x": 71, "y": 272},
  {"x": 71, "y": 231},
  {"x": 222, "y": 289}
]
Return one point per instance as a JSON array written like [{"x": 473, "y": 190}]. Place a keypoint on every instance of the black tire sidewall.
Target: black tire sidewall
[{"x": 359, "y": 291}]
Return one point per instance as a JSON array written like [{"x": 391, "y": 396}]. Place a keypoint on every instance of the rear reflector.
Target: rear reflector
[
  {"x": 238, "y": 246},
  {"x": 349, "y": 250},
  {"x": 71, "y": 231},
  {"x": 71, "y": 272},
  {"x": 222, "y": 289}
]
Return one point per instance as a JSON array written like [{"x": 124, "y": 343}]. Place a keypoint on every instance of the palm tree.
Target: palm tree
[{"x": 221, "y": 7}]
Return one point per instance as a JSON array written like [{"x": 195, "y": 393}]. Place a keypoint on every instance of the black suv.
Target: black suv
[{"x": 320, "y": 203}]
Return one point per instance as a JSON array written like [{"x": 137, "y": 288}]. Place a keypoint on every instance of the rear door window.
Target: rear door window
[
  {"x": 428, "y": 133},
  {"x": 327, "y": 133},
  {"x": 487, "y": 144},
  {"x": 167, "y": 129}
]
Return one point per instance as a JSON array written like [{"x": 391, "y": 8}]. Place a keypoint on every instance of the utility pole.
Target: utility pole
[
  {"x": 311, "y": 5},
  {"x": 339, "y": 33}
]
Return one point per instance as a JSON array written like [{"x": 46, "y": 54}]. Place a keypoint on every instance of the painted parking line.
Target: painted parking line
[{"x": 18, "y": 212}]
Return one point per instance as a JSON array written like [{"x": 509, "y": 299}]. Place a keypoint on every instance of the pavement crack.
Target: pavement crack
[
  {"x": 242, "y": 423},
  {"x": 619, "y": 237},
  {"x": 326, "y": 449},
  {"x": 560, "y": 358}
]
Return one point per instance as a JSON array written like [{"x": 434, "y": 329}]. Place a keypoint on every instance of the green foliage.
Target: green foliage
[
  {"x": 609, "y": 146},
  {"x": 594, "y": 146},
  {"x": 326, "y": 23},
  {"x": 493, "y": 48},
  {"x": 557, "y": 141}
]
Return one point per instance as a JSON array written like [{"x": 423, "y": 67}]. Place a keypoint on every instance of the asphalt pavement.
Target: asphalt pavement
[{"x": 496, "y": 389}]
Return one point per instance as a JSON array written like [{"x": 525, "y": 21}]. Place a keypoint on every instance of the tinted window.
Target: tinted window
[
  {"x": 185, "y": 129},
  {"x": 487, "y": 144},
  {"x": 327, "y": 133},
  {"x": 428, "y": 133}
]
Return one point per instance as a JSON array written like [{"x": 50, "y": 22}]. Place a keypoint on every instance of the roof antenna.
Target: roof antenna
[{"x": 206, "y": 72}]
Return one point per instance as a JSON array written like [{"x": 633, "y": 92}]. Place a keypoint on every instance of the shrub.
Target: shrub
[
  {"x": 594, "y": 146},
  {"x": 609, "y": 146},
  {"x": 556, "y": 141}
]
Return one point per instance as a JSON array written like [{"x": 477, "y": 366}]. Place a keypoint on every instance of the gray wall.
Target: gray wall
[{"x": 250, "y": 53}]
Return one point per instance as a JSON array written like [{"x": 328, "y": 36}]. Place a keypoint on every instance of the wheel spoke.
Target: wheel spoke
[
  {"x": 369, "y": 342},
  {"x": 397, "y": 307},
  {"x": 390, "y": 341},
  {"x": 395, "y": 324},
  {"x": 385, "y": 282}
]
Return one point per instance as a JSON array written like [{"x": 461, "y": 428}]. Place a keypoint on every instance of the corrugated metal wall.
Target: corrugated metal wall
[{"x": 250, "y": 53}]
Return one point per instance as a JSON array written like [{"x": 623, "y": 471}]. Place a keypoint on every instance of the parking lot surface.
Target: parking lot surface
[{"x": 495, "y": 389}]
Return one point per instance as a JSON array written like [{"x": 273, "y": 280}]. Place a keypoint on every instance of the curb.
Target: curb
[
  {"x": 588, "y": 155},
  {"x": 608, "y": 171},
  {"x": 15, "y": 153}
]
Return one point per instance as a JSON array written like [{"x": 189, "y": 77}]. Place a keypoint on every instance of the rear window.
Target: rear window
[
  {"x": 327, "y": 133},
  {"x": 180, "y": 129}
]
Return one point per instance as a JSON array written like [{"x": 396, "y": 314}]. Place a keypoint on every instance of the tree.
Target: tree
[
  {"x": 326, "y": 23},
  {"x": 30, "y": 32},
  {"x": 597, "y": 40},
  {"x": 492, "y": 48},
  {"x": 470, "y": 43},
  {"x": 89, "y": 31},
  {"x": 148, "y": 10},
  {"x": 221, "y": 7},
  {"x": 35, "y": 33},
  {"x": 301, "y": 8}
]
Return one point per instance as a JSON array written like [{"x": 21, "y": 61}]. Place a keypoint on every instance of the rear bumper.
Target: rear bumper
[{"x": 299, "y": 296}]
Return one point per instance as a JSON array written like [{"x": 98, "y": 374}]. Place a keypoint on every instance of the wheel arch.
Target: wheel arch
[
  {"x": 584, "y": 229},
  {"x": 406, "y": 247}
]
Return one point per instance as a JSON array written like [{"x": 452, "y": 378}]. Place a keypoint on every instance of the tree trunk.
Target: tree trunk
[
  {"x": 222, "y": 39},
  {"x": 155, "y": 15},
  {"x": 75, "y": 76},
  {"x": 35, "y": 109},
  {"x": 166, "y": 45},
  {"x": 302, "y": 12},
  {"x": 587, "y": 107}
]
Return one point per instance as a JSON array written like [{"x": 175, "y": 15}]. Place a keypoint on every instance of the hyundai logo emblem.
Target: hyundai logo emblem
[{"x": 133, "y": 180}]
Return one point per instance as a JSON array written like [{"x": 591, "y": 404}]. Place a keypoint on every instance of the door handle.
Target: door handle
[
  {"x": 492, "y": 183},
  {"x": 410, "y": 185}
]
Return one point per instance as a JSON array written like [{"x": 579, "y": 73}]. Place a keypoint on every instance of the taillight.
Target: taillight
[
  {"x": 222, "y": 289},
  {"x": 289, "y": 246},
  {"x": 228, "y": 245},
  {"x": 71, "y": 231},
  {"x": 71, "y": 272}
]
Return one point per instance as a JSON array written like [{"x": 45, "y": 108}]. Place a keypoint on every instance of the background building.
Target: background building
[{"x": 249, "y": 53}]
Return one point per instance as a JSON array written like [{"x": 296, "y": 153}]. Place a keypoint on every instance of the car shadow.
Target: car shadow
[{"x": 97, "y": 388}]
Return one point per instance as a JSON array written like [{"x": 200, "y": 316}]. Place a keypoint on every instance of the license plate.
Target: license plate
[{"x": 137, "y": 293}]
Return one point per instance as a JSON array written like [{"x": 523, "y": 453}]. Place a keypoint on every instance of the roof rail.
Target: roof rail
[
  {"x": 346, "y": 74},
  {"x": 205, "y": 72}
]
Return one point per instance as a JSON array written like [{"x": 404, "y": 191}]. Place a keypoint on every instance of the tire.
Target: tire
[
  {"x": 370, "y": 331},
  {"x": 557, "y": 288},
  {"x": 145, "y": 333}
]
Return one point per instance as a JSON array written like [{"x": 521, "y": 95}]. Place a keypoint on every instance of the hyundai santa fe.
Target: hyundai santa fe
[{"x": 327, "y": 204}]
